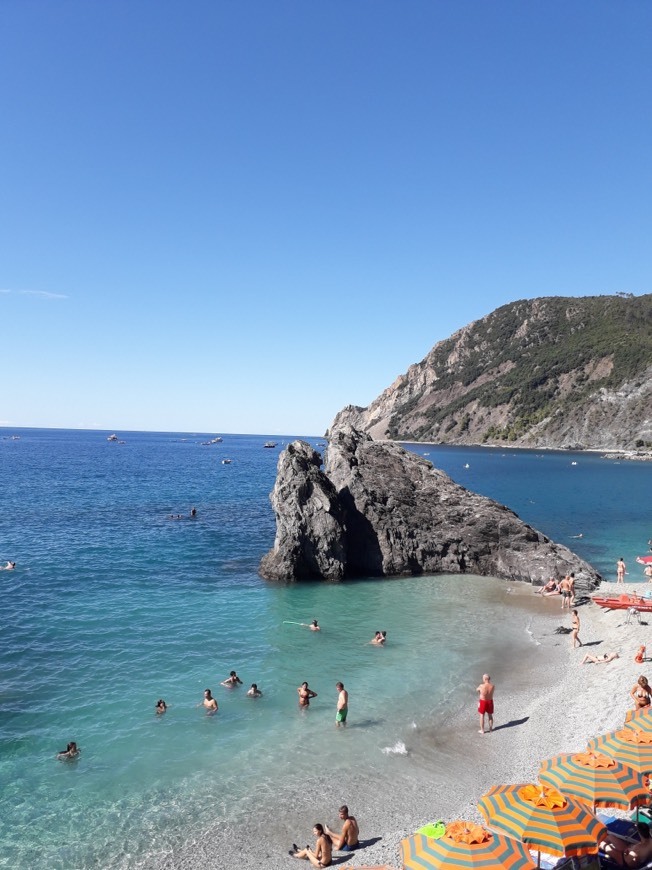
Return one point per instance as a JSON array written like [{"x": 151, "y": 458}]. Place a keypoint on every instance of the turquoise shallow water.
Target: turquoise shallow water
[{"x": 114, "y": 605}]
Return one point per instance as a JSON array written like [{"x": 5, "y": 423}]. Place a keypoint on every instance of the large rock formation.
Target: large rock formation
[
  {"x": 549, "y": 372},
  {"x": 377, "y": 510}
]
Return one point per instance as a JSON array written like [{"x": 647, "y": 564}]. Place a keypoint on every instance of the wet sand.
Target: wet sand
[{"x": 545, "y": 705}]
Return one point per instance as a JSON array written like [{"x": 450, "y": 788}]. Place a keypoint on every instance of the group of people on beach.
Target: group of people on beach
[
  {"x": 326, "y": 840},
  {"x": 564, "y": 587}
]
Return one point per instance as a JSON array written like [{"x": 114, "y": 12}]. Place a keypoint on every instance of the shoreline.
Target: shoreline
[
  {"x": 603, "y": 452},
  {"x": 550, "y": 705}
]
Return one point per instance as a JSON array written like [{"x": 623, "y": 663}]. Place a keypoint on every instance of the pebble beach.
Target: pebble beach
[{"x": 553, "y": 708}]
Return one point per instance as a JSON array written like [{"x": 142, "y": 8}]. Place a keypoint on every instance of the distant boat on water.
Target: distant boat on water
[
  {"x": 269, "y": 444},
  {"x": 112, "y": 437},
  {"x": 227, "y": 461}
]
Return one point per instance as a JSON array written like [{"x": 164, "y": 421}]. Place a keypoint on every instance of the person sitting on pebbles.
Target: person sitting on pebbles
[{"x": 322, "y": 854}]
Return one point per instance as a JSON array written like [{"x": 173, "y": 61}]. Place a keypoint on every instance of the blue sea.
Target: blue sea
[{"x": 114, "y": 604}]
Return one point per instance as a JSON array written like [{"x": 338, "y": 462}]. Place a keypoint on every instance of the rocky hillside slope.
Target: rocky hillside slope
[
  {"x": 549, "y": 372},
  {"x": 377, "y": 510}
]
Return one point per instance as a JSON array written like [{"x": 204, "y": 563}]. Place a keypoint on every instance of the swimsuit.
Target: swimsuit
[
  {"x": 485, "y": 706},
  {"x": 341, "y": 715},
  {"x": 347, "y": 848}
]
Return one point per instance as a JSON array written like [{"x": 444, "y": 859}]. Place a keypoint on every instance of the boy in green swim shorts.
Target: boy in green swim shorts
[{"x": 342, "y": 705}]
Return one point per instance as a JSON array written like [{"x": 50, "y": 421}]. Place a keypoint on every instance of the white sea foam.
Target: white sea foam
[
  {"x": 399, "y": 748},
  {"x": 530, "y": 633}
]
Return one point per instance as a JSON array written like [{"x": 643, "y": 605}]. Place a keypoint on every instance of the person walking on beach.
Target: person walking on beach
[
  {"x": 305, "y": 694},
  {"x": 620, "y": 570},
  {"x": 641, "y": 693},
  {"x": 566, "y": 592},
  {"x": 486, "y": 702},
  {"x": 575, "y": 630},
  {"x": 209, "y": 702},
  {"x": 348, "y": 839}
]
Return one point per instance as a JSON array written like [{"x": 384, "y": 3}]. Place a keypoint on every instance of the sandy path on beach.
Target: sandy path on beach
[{"x": 555, "y": 707}]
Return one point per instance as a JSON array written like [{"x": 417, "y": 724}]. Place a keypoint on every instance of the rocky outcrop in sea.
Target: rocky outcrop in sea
[{"x": 376, "y": 510}]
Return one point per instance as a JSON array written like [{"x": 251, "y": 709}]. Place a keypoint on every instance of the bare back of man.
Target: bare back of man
[{"x": 486, "y": 702}]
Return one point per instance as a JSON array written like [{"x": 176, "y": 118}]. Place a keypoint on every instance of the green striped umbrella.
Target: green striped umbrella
[
  {"x": 596, "y": 779},
  {"x": 542, "y": 818},
  {"x": 627, "y": 746},
  {"x": 465, "y": 846}
]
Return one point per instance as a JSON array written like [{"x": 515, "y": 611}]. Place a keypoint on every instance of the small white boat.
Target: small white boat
[
  {"x": 112, "y": 437},
  {"x": 269, "y": 444},
  {"x": 573, "y": 463},
  {"x": 226, "y": 461},
  {"x": 467, "y": 465},
  {"x": 216, "y": 440}
]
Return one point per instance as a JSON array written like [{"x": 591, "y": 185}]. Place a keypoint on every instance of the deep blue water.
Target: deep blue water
[{"x": 113, "y": 605}]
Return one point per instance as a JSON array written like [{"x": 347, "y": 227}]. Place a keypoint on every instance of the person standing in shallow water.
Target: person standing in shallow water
[
  {"x": 486, "y": 702},
  {"x": 305, "y": 694},
  {"x": 342, "y": 705}
]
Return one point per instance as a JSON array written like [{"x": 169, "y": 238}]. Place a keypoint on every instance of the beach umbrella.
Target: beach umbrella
[
  {"x": 639, "y": 720},
  {"x": 542, "y": 818},
  {"x": 627, "y": 746},
  {"x": 596, "y": 779},
  {"x": 465, "y": 846}
]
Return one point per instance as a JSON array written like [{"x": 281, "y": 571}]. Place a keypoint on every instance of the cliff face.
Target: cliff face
[
  {"x": 551, "y": 372},
  {"x": 377, "y": 510}
]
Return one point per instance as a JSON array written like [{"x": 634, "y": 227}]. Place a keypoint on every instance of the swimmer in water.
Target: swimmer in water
[
  {"x": 305, "y": 694},
  {"x": 161, "y": 707},
  {"x": 254, "y": 691},
  {"x": 71, "y": 751},
  {"x": 231, "y": 681},
  {"x": 8, "y": 567},
  {"x": 314, "y": 626},
  {"x": 209, "y": 702}
]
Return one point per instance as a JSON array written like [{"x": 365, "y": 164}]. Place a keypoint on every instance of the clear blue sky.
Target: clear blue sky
[{"x": 242, "y": 215}]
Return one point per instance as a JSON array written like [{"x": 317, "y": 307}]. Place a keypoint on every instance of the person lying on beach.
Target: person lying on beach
[
  {"x": 209, "y": 702},
  {"x": 599, "y": 660},
  {"x": 254, "y": 691},
  {"x": 348, "y": 838},
  {"x": 232, "y": 681},
  {"x": 161, "y": 707},
  {"x": 641, "y": 693},
  {"x": 305, "y": 694},
  {"x": 627, "y": 854},
  {"x": 322, "y": 854},
  {"x": 71, "y": 751}
]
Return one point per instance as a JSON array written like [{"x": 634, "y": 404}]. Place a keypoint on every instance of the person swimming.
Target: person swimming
[
  {"x": 71, "y": 751},
  {"x": 254, "y": 691},
  {"x": 8, "y": 567},
  {"x": 161, "y": 707},
  {"x": 231, "y": 681}
]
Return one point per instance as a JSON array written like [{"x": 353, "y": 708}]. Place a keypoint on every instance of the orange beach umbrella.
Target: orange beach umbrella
[
  {"x": 542, "y": 818},
  {"x": 639, "y": 720},
  {"x": 627, "y": 746},
  {"x": 465, "y": 846},
  {"x": 595, "y": 779}
]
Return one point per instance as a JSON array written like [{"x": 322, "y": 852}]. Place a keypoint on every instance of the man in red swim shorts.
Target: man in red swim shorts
[{"x": 486, "y": 704}]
